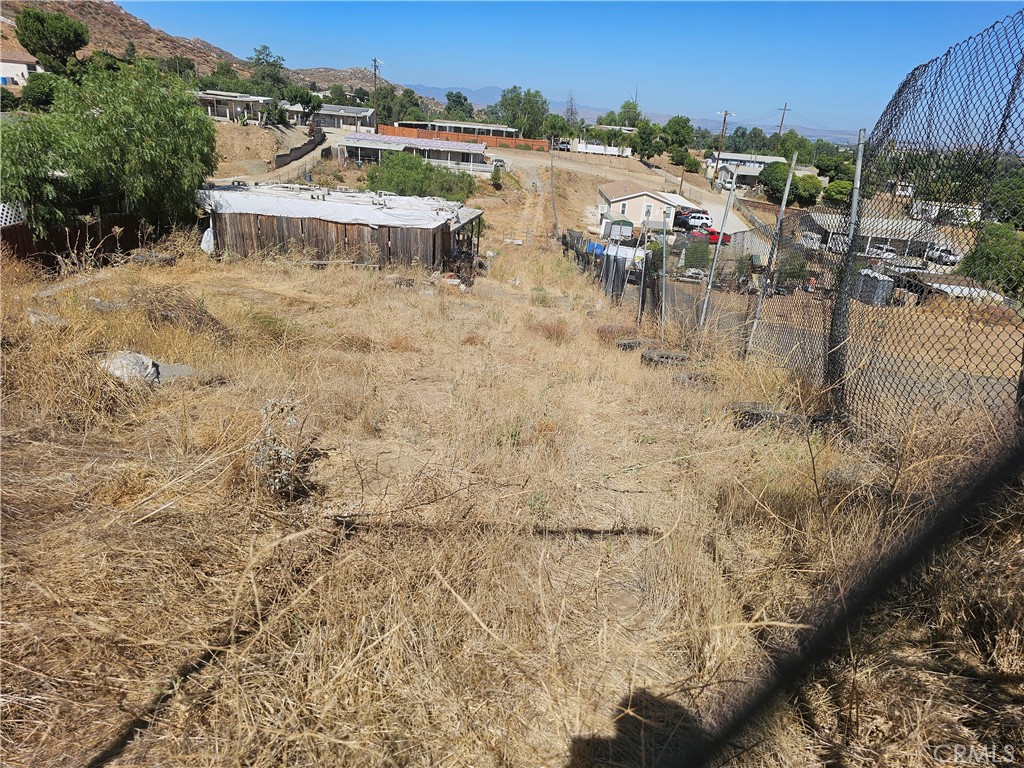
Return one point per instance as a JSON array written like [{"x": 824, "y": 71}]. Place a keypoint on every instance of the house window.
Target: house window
[
  {"x": 622, "y": 208},
  {"x": 668, "y": 211},
  {"x": 648, "y": 209}
]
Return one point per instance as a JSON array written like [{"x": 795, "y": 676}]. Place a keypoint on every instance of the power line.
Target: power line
[
  {"x": 376, "y": 69},
  {"x": 721, "y": 140},
  {"x": 784, "y": 109}
]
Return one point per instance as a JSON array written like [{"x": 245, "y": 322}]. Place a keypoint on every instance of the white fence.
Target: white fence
[{"x": 601, "y": 149}]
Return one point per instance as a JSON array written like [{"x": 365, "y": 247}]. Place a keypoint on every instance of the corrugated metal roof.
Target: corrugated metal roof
[
  {"x": 372, "y": 209},
  {"x": 380, "y": 141},
  {"x": 878, "y": 226}
]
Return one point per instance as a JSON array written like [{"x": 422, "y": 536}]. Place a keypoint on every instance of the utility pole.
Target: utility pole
[
  {"x": 376, "y": 68},
  {"x": 721, "y": 141},
  {"x": 784, "y": 109}
]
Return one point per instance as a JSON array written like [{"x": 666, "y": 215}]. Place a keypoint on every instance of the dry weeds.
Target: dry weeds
[{"x": 396, "y": 525}]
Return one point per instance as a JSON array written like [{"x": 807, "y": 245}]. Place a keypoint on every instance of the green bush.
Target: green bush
[
  {"x": 692, "y": 164},
  {"x": 527, "y": 147},
  {"x": 406, "y": 174},
  {"x": 698, "y": 254},
  {"x": 678, "y": 156}
]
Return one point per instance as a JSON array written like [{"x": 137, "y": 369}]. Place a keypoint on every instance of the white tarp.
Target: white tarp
[{"x": 367, "y": 208}]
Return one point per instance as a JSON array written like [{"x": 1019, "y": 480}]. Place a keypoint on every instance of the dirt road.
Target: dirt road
[{"x": 605, "y": 169}]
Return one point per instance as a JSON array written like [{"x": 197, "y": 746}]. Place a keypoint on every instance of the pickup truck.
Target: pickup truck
[
  {"x": 881, "y": 252},
  {"x": 943, "y": 256}
]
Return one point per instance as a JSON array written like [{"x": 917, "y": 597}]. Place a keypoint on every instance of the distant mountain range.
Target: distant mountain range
[{"x": 482, "y": 97}]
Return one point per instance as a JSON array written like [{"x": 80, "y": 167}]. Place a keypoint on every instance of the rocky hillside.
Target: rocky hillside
[
  {"x": 111, "y": 28},
  {"x": 352, "y": 78}
]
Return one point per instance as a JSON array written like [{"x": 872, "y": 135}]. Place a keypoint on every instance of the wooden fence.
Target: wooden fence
[
  {"x": 110, "y": 233},
  {"x": 470, "y": 138},
  {"x": 246, "y": 234}
]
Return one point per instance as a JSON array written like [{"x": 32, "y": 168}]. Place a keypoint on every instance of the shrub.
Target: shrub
[{"x": 406, "y": 174}]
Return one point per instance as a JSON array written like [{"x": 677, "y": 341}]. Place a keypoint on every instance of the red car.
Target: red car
[{"x": 712, "y": 235}]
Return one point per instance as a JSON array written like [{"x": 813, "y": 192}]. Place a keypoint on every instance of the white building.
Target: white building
[{"x": 15, "y": 67}]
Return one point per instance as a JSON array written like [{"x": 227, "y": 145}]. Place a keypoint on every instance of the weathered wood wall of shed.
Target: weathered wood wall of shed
[{"x": 244, "y": 234}]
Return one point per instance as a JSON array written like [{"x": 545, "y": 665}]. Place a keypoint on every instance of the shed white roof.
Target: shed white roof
[
  {"x": 373, "y": 209},
  {"x": 380, "y": 141}
]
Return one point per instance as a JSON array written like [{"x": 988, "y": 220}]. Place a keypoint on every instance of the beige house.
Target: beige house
[
  {"x": 15, "y": 67},
  {"x": 643, "y": 207}
]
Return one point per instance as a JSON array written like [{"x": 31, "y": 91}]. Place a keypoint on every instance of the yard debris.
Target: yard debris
[
  {"x": 398, "y": 281},
  {"x": 37, "y": 317},
  {"x": 132, "y": 367},
  {"x": 150, "y": 258},
  {"x": 749, "y": 415}
]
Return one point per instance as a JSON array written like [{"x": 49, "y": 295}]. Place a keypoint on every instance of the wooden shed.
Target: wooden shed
[{"x": 367, "y": 227}]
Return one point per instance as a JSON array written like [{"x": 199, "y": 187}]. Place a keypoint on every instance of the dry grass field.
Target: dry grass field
[{"x": 389, "y": 522}]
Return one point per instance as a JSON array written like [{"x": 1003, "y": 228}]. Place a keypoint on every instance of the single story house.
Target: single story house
[
  {"x": 466, "y": 129},
  {"x": 225, "y": 105},
  {"x": 374, "y": 228},
  {"x": 740, "y": 174},
  {"x": 629, "y": 200},
  {"x": 457, "y": 155},
  {"x": 359, "y": 119},
  {"x": 737, "y": 159},
  {"x": 16, "y": 66},
  {"x": 906, "y": 235}
]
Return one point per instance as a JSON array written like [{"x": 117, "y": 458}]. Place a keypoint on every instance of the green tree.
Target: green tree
[
  {"x": 38, "y": 91},
  {"x": 792, "y": 142},
  {"x": 644, "y": 141},
  {"x": 310, "y": 102},
  {"x": 134, "y": 135},
  {"x": 223, "y": 78},
  {"x": 458, "y": 106},
  {"x": 268, "y": 77},
  {"x": 629, "y": 114},
  {"x": 758, "y": 141},
  {"x": 361, "y": 95},
  {"x": 838, "y": 192},
  {"x": 496, "y": 177},
  {"x": 609, "y": 118},
  {"x": 406, "y": 174},
  {"x": 404, "y": 105},
  {"x": 129, "y": 51},
  {"x": 808, "y": 188},
  {"x": 692, "y": 164},
  {"x": 179, "y": 65},
  {"x": 52, "y": 38},
  {"x": 338, "y": 95},
  {"x": 678, "y": 133},
  {"x": 835, "y": 168},
  {"x": 524, "y": 110},
  {"x": 997, "y": 259},
  {"x": 384, "y": 97},
  {"x": 554, "y": 127},
  {"x": 773, "y": 178},
  {"x": 8, "y": 101},
  {"x": 703, "y": 138},
  {"x": 738, "y": 140},
  {"x": 678, "y": 156},
  {"x": 1006, "y": 201}
]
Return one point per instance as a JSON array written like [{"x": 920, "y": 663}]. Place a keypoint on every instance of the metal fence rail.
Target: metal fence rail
[{"x": 922, "y": 306}]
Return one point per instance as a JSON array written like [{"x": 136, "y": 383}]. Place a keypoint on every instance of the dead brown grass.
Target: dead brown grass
[{"x": 405, "y": 526}]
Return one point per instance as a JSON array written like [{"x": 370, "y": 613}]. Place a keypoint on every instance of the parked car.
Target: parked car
[
  {"x": 727, "y": 185},
  {"x": 679, "y": 221},
  {"x": 943, "y": 256},
  {"x": 881, "y": 252},
  {"x": 695, "y": 220},
  {"x": 694, "y": 273},
  {"x": 563, "y": 146},
  {"x": 712, "y": 235},
  {"x": 499, "y": 163}
]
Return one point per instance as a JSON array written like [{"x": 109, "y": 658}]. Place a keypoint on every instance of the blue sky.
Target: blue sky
[{"x": 836, "y": 64}]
